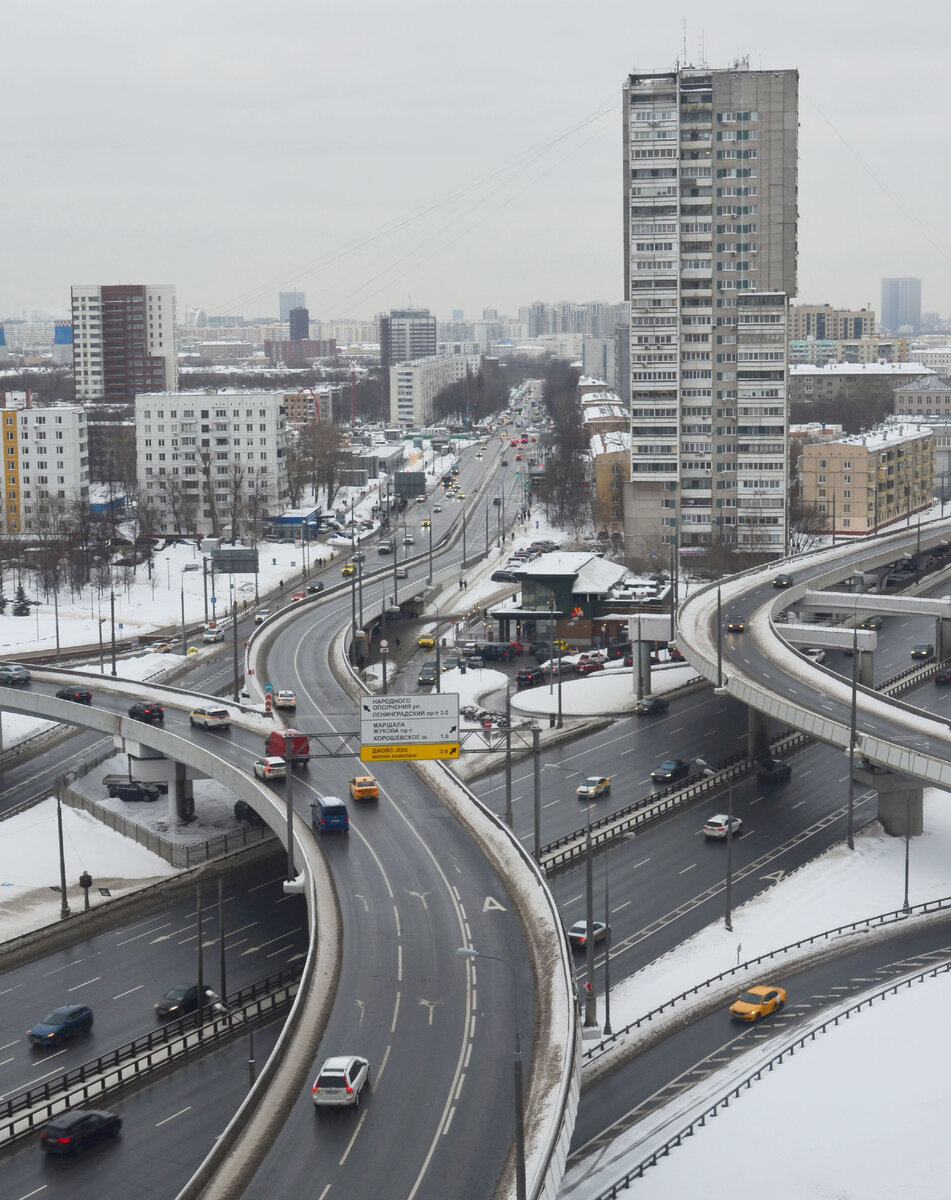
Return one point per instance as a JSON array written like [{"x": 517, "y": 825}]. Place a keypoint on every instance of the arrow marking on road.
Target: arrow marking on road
[
  {"x": 775, "y": 876},
  {"x": 422, "y": 896},
  {"x": 430, "y": 1004}
]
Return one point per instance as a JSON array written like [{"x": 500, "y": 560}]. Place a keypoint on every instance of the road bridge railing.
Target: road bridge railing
[{"x": 162, "y": 1049}]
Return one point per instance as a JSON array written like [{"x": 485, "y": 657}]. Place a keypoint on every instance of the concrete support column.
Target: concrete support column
[
  {"x": 644, "y": 653},
  {"x": 942, "y": 642},
  {"x": 866, "y": 673},
  {"x": 757, "y": 738},
  {"x": 899, "y": 801},
  {"x": 181, "y": 796}
]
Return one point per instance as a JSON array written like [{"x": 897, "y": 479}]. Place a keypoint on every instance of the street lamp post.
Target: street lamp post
[
  {"x": 102, "y": 657},
  {"x": 430, "y": 532},
  {"x": 469, "y": 953},
  {"x": 711, "y": 774},
  {"x": 112, "y": 618}
]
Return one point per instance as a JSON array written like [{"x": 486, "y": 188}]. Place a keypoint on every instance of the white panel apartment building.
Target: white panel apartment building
[
  {"x": 46, "y": 454},
  {"x": 415, "y": 384},
  {"x": 710, "y": 259},
  {"x": 205, "y": 461}
]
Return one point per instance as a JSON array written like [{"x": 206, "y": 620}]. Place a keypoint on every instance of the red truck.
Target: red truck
[{"x": 297, "y": 744}]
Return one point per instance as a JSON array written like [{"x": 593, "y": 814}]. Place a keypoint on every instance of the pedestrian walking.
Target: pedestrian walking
[{"x": 397, "y": 643}]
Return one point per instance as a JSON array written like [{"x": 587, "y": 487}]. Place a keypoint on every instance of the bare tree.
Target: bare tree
[
  {"x": 299, "y": 468},
  {"x": 256, "y": 505},
  {"x": 209, "y": 484},
  {"x": 237, "y": 490},
  {"x": 178, "y": 503}
]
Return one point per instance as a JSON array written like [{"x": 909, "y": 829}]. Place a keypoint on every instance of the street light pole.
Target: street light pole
[
  {"x": 430, "y": 531},
  {"x": 711, "y": 774},
  {"x": 607, "y": 955},
  {"x": 509, "y": 818},
  {"x": 906, "y": 907},
  {"x": 469, "y": 953},
  {"x": 112, "y": 617},
  {"x": 853, "y": 714},
  {"x": 719, "y": 639}
]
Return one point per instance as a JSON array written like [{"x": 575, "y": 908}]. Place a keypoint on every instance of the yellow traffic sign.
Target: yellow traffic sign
[{"x": 407, "y": 752}]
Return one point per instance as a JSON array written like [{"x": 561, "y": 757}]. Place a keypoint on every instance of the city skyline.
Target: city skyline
[{"x": 188, "y": 179}]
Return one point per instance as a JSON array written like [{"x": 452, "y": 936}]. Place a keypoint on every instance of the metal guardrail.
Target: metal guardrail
[
  {"x": 20, "y": 1114},
  {"x": 864, "y": 923},
  {"x": 788, "y": 1051}
]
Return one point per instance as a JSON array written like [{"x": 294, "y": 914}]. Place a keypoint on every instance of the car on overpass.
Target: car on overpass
[
  {"x": 782, "y": 580},
  {"x": 593, "y": 787},
  {"x": 13, "y": 673},
  {"x": 922, "y": 650},
  {"x": 758, "y": 1002},
  {"x": 210, "y": 716},
  {"x": 79, "y": 695},
  {"x": 670, "y": 770}
]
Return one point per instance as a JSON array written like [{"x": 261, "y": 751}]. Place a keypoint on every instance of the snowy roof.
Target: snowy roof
[
  {"x": 876, "y": 368},
  {"x": 593, "y": 576},
  {"x": 605, "y": 412},
  {"x": 605, "y": 396},
  {"x": 612, "y": 441},
  {"x": 882, "y": 436},
  {"x": 932, "y": 383}
]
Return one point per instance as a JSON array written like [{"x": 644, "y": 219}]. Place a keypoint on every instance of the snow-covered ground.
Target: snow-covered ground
[
  {"x": 807, "y": 1130},
  {"x": 611, "y": 691}
]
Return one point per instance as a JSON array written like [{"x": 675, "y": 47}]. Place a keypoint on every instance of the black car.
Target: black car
[
  {"x": 427, "y": 674},
  {"x": 314, "y": 589},
  {"x": 134, "y": 789},
  {"x": 503, "y": 577},
  {"x": 735, "y": 624},
  {"x": 651, "y": 706},
  {"x": 79, "y": 695},
  {"x": 529, "y": 677},
  {"x": 671, "y": 770},
  {"x": 148, "y": 711},
  {"x": 64, "y": 1022},
  {"x": 943, "y": 677},
  {"x": 922, "y": 650},
  {"x": 182, "y": 999},
  {"x": 73, "y": 1131},
  {"x": 244, "y": 812},
  {"x": 497, "y": 652},
  {"x": 782, "y": 581},
  {"x": 773, "y": 770},
  {"x": 872, "y": 623}
]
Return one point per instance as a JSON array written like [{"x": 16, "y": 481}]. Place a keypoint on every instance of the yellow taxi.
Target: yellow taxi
[
  {"x": 426, "y": 523},
  {"x": 758, "y": 1002},
  {"x": 426, "y": 641},
  {"x": 364, "y": 787},
  {"x": 348, "y": 568}
]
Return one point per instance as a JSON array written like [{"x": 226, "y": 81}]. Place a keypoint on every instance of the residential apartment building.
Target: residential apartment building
[
  {"x": 901, "y": 305},
  {"x": 929, "y": 396},
  {"x": 611, "y": 468},
  {"x": 862, "y": 483},
  {"x": 45, "y": 458},
  {"x": 850, "y": 381},
  {"x": 212, "y": 463},
  {"x": 821, "y": 351},
  {"x": 822, "y": 321},
  {"x": 415, "y": 385},
  {"x": 123, "y": 341},
  {"x": 710, "y": 161}
]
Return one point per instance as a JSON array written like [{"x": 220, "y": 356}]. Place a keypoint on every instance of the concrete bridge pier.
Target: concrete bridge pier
[
  {"x": 757, "y": 736},
  {"x": 866, "y": 671},
  {"x": 942, "y": 639},
  {"x": 642, "y": 664},
  {"x": 181, "y": 796},
  {"x": 900, "y": 800}
]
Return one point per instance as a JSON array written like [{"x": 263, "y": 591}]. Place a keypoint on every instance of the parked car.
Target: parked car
[
  {"x": 773, "y": 770},
  {"x": 364, "y": 787},
  {"x": 340, "y": 1081},
  {"x": 589, "y": 667},
  {"x": 270, "y": 768},
  {"x": 503, "y": 577},
  {"x": 148, "y": 711},
  {"x": 757, "y": 1003},
  {"x": 244, "y": 812},
  {"x": 651, "y": 706},
  {"x": 593, "y": 787},
  {"x": 182, "y": 999},
  {"x": 131, "y": 790},
  {"x": 578, "y": 933},
  {"x": 782, "y": 581},
  {"x": 922, "y": 650},
  {"x": 71, "y": 1132},
  {"x": 79, "y": 695},
  {"x": 13, "y": 673},
  {"x": 719, "y": 826},
  {"x": 671, "y": 770},
  {"x": 62, "y": 1023},
  {"x": 210, "y": 716},
  {"x": 285, "y": 699}
]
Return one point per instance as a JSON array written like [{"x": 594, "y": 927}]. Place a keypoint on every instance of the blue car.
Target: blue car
[{"x": 62, "y": 1023}]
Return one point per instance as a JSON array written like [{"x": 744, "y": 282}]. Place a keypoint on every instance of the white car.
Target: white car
[
  {"x": 270, "y": 768},
  {"x": 262, "y": 616},
  {"x": 718, "y": 826},
  {"x": 340, "y": 1081},
  {"x": 285, "y": 699},
  {"x": 817, "y": 655},
  {"x": 210, "y": 717}
]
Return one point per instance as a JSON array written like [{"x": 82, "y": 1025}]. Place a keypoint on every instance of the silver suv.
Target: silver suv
[{"x": 13, "y": 673}]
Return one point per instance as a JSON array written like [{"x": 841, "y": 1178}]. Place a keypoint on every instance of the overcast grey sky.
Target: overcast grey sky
[{"x": 445, "y": 155}]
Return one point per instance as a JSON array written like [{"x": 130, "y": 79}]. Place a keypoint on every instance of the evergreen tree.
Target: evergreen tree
[{"x": 21, "y": 605}]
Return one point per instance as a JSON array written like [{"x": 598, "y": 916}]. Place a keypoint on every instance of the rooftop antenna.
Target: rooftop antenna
[
  {"x": 702, "y": 51},
  {"x": 683, "y": 25}
]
